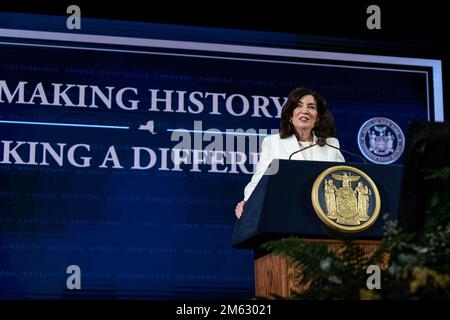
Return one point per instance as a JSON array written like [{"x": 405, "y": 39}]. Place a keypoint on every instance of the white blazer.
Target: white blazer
[{"x": 273, "y": 147}]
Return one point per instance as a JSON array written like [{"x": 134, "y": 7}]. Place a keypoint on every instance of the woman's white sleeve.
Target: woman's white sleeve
[
  {"x": 265, "y": 159},
  {"x": 338, "y": 155}
]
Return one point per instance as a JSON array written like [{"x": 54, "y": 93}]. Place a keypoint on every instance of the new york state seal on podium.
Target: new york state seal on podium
[{"x": 346, "y": 199}]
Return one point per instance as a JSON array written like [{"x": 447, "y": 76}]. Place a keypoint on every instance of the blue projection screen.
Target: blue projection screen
[{"x": 95, "y": 132}]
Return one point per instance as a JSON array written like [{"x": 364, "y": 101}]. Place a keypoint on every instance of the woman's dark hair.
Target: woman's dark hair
[{"x": 325, "y": 126}]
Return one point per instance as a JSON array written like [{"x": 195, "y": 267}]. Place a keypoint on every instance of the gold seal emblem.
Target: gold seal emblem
[{"x": 346, "y": 199}]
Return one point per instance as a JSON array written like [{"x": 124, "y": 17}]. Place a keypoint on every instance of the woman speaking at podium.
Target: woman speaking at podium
[{"x": 307, "y": 132}]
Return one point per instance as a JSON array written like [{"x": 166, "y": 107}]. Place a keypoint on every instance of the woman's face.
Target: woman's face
[{"x": 304, "y": 116}]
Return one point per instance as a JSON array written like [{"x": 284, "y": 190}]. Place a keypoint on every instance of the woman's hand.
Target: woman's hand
[{"x": 240, "y": 209}]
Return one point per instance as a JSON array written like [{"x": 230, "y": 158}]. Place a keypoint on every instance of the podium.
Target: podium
[{"x": 281, "y": 206}]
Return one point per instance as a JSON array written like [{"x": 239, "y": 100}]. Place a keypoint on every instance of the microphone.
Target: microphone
[
  {"x": 345, "y": 151},
  {"x": 310, "y": 146}
]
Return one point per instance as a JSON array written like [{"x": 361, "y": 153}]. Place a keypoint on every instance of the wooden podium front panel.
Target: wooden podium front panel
[{"x": 274, "y": 275}]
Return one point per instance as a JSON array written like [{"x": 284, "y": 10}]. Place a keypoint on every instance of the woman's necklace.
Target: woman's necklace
[{"x": 304, "y": 144}]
